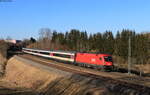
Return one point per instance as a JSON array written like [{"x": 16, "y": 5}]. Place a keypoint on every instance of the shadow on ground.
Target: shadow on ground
[
  {"x": 79, "y": 85},
  {"x": 17, "y": 91},
  {"x": 124, "y": 70},
  {"x": 82, "y": 85}
]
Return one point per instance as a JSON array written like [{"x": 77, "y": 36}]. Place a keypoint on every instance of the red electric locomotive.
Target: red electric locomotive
[{"x": 94, "y": 60}]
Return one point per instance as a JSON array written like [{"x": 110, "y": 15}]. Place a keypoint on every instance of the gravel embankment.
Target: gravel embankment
[{"x": 24, "y": 74}]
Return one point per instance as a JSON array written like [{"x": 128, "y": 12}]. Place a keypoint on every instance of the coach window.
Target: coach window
[
  {"x": 62, "y": 55},
  {"x": 46, "y": 53}
]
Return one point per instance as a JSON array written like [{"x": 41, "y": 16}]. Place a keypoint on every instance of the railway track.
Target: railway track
[{"x": 122, "y": 80}]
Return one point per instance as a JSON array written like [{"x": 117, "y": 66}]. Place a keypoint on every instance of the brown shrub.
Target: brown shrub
[{"x": 3, "y": 51}]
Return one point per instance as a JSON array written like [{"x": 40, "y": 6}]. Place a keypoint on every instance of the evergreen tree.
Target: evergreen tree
[
  {"x": 83, "y": 41},
  {"x": 54, "y": 36},
  {"x": 141, "y": 48},
  {"x": 73, "y": 39},
  {"x": 32, "y": 40},
  {"x": 108, "y": 42},
  {"x": 117, "y": 44},
  {"x": 99, "y": 43}
]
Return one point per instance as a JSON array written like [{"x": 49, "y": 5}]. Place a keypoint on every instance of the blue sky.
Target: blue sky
[{"x": 23, "y": 18}]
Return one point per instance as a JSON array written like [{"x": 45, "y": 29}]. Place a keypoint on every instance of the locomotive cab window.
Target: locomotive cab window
[{"x": 108, "y": 58}]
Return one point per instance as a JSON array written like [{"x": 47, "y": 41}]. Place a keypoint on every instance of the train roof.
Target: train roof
[
  {"x": 51, "y": 51},
  {"x": 67, "y": 52}
]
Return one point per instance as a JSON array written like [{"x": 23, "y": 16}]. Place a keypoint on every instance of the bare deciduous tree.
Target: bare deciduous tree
[{"x": 45, "y": 36}]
